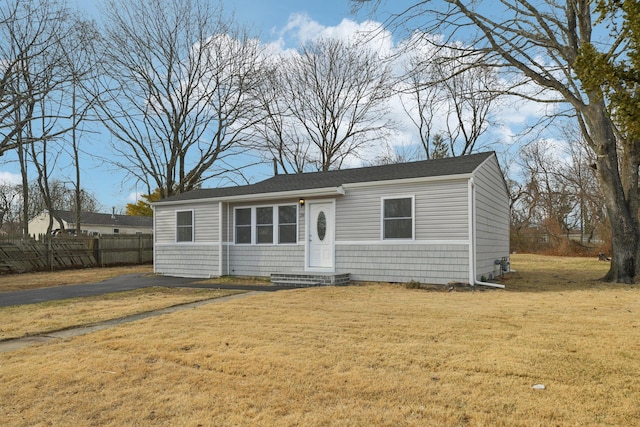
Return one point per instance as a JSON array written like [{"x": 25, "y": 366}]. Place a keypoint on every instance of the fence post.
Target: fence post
[
  {"x": 96, "y": 251},
  {"x": 139, "y": 248}
]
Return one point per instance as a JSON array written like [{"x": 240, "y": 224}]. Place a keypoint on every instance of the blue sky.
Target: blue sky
[
  {"x": 285, "y": 22},
  {"x": 265, "y": 18}
]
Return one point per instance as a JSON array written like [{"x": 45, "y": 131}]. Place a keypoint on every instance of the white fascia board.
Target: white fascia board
[
  {"x": 312, "y": 192},
  {"x": 459, "y": 177}
]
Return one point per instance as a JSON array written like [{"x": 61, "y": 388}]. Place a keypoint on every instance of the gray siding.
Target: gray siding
[
  {"x": 436, "y": 264},
  {"x": 257, "y": 260},
  {"x": 165, "y": 225},
  {"x": 186, "y": 260},
  {"x": 205, "y": 218},
  {"x": 440, "y": 208},
  {"x": 492, "y": 217}
]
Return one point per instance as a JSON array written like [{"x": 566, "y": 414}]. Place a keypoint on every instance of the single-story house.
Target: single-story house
[
  {"x": 92, "y": 224},
  {"x": 433, "y": 221}
]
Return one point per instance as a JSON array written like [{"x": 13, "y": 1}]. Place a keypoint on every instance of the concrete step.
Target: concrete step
[{"x": 303, "y": 279}]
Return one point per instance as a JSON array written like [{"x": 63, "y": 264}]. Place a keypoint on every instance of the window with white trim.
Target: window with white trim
[
  {"x": 243, "y": 225},
  {"x": 287, "y": 224},
  {"x": 266, "y": 225},
  {"x": 184, "y": 226},
  {"x": 397, "y": 218}
]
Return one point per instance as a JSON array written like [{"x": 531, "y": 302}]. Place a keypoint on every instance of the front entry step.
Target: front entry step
[{"x": 305, "y": 279}]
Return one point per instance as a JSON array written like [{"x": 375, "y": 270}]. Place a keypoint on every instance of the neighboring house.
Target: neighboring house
[
  {"x": 92, "y": 224},
  {"x": 433, "y": 221}
]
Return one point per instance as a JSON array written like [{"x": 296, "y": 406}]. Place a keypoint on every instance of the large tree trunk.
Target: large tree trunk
[{"x": 619, "y": 186}]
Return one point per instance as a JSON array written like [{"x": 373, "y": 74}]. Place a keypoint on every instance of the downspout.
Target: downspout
[
  {"x": 220, "y": 211},
  {"x": 472, "y": 240},
  {"x": 155, "y": 232},
  {"x": 226, "y": 234}
]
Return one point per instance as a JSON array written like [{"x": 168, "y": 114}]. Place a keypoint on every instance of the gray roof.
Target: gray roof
[
  {"x": 313, "y": 180},
  {"x": 92, "y": 218}
]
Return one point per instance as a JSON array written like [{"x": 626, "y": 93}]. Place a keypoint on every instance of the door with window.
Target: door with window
[{"x": 321, "y": 234}]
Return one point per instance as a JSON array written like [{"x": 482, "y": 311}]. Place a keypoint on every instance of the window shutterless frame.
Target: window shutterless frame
[
  {"x": 397, "y": 217},
  {"x": 265, "y": 224},
  {"x": 242, "y": 226},
  {"x": 184, "y": 226}
]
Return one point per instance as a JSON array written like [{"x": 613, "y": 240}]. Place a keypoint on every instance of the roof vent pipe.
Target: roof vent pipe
[{"x": 275, "y": 167}]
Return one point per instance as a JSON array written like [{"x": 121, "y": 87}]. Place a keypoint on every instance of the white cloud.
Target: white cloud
[
  {"x": 301, "y": 28},
  {"x": 10, "y": 178},
  {"x": 134, "y": 196}
]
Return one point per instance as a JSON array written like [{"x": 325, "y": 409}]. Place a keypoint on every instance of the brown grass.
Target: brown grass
[
  {"x": 360, "y": 355},
  {"x": 44, "y": 279},
  {"x": 543, "y": 273},
  {"x": 36, "y": 319}
]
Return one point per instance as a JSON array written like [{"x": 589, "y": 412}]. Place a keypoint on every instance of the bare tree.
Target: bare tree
[
  {"x": 30, "y": 32},
  {"x": 33, "y": 86},
  {"x": 79, "y": 60},
  {"x": 539, "y": 44},
  {"x": 174, "y": 93},
  {"x": 9, "y": 207},
  {"x": 421, "y": 100},
  {"x": 325, "y": 104},
  {"x": 446, "y": 97}
]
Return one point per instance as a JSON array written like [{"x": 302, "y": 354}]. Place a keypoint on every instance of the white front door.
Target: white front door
[{"x": 321, "y": 232}]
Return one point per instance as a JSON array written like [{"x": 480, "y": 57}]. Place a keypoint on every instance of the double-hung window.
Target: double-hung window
[
  {"x": 287, "y": 224},
  {"x": 184, "y": 226},
  {"x": 397, "y": 218},
  {"x": 264, "y": 225},
  {"x": 243, "y": 225}
]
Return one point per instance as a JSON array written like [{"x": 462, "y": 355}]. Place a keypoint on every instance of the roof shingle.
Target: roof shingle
[
  {"x": 92, "y": 218},
  {"x": 312, "y": 180}
]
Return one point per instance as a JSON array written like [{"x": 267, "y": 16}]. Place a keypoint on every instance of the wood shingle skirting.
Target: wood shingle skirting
[{"x": 303, "y": 279}]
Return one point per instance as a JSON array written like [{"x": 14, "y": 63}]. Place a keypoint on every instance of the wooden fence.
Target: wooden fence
[
  {"x": 20, "y": 255},
  {"x": 122, "y": 249}
]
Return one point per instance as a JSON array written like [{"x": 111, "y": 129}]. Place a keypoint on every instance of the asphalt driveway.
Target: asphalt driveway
[{"x": 125, "y": 282}]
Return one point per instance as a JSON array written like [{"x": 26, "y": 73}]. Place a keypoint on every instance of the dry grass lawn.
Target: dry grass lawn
[
  {"x": 378, "y": 355},
  {"x": 36, "y": 319}
]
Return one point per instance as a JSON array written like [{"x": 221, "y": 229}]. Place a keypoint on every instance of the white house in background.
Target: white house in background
[
  {"x": 433, "y": 221},
  {"x": 92, "y": 224}
]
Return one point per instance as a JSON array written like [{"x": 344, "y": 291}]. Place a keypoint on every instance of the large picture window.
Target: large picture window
[
  {"x": 266, "y": 225},
  {"x": 243, "y": 225},
  {"x": 184, "y": 226},
  {"x": 397, "y": 218}
]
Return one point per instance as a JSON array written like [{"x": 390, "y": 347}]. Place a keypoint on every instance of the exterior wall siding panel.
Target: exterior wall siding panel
[
  {"x": 440, "y": 209},
  {"x": 205, "y": 219},
  {"x": 165, "y": 225},
  {"x": 183, "y": 260},
  {"x": 248, "y": 260},
  {"x": 492, "y": 218},
  {"x": 434, "y": 264}
]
